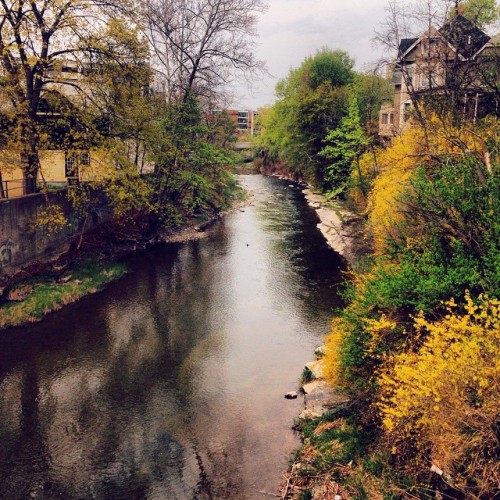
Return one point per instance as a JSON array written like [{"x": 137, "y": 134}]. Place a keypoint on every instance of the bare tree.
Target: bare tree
[
  {"x": 36, "y": 38},
  {"x": 438, "y": 59},
  {"x": 201, "y": 44}
]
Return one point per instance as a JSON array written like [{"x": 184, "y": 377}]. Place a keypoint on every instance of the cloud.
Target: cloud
[{"x": 291, "y": 30}]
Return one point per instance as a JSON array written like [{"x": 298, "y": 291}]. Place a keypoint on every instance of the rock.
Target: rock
[
  {"x": 308, "y": 414},
  {"x": 317, "y": 368},
  {"x": 320, "y": 352},
  {"x": 320, "y": 397},
  {"x": 315, "y": 386},
  {"x": 315, "y": 204},
  {"x": 65, "y": 279},
  {"x": 291, "y": 395}
]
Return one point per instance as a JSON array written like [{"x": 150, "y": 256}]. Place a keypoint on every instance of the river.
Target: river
[{"x": 169, "y": 384}]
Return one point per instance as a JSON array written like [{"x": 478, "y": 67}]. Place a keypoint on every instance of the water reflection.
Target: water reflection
[{"x": 170, "y": 383}]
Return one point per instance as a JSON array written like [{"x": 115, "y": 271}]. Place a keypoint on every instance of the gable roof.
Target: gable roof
[
  {"x": 464, "y": 36},
  {"x": 405, "y": 44}
]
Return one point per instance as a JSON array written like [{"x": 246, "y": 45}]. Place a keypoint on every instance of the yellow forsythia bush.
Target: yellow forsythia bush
[
  {"x": 50, "y": 219},
  {"x": 444, "y": 399},
  {"x": 396, "y": 164}
]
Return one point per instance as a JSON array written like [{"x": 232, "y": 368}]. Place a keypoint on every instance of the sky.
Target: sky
[{"x": 291, "y": 30}]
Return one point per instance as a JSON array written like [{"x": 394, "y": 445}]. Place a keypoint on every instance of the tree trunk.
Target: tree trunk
[{"x": 30, "y": 159}]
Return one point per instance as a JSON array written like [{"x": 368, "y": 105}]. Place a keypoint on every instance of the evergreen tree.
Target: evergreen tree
[{"x": 345, "y": 145}]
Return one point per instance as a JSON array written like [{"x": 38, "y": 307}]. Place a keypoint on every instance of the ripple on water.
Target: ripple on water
[{"x": 170, "y": 383}]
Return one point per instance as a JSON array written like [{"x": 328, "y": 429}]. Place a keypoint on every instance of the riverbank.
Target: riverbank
[
  {"x": 47, "y": 288},
  {"x": 318, "y": 469},
  {"x": 342, "y": 229},
  {"x": 323, "y": 467},
  {"x": 32, "y": 299}
]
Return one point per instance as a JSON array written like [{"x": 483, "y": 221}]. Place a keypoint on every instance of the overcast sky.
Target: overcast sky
[{"x": 291, "y": 30}]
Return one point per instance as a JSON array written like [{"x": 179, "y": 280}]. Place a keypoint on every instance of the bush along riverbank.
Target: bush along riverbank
[{"x": 416, "y": 351}]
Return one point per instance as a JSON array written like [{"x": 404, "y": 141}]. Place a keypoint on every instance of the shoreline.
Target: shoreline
[
  {"x": 60, "y": 283},
  {"x": 339, "y": 226},
  {"x": 325, "y": 409}
]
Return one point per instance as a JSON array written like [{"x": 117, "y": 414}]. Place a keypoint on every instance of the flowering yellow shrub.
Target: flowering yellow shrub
[
  {"x": 444, "y": 399},
  {"x": 50, "y": 219},
  {"x": 378, "y": 328},
  {"x": 396, "y": 164},
  {"x": 332, "y": 359}
]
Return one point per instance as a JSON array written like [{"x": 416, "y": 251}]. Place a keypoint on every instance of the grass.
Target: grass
[
  {"x": 338, "y": 456},
  {"x": 43, "y": 295},
  {"x": 307, "y": 376}
]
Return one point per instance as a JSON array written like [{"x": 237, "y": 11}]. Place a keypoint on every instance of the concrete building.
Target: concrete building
[{"x": 244, "y": 121}]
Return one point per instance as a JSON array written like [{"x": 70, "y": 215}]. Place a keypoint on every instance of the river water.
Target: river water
[{"x": 169, "y": 384}]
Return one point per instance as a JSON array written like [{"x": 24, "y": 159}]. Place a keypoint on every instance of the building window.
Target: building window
[
  {"x": 243, "y": 120},
  {"x": 428, "y": 80},
  {"x": 406, "y": 111},
  {"x": 391, "y": 118},
  {"x": 85, "y": 159},
  {"x": 73, "y": 161},
  {"x": 70, "y": 165},
  {"x": 385, "y": 119}
]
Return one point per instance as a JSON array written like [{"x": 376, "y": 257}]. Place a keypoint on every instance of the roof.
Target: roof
[
  {"x": 405, "y": 44},
  {"x": 464, "y": 36}
]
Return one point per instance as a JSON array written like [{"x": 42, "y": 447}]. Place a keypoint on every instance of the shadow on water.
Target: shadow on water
[{"x": 170, "y": 383}]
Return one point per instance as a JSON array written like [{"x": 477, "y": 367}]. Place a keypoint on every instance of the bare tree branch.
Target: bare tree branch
[{"x": 202, "y": 44}]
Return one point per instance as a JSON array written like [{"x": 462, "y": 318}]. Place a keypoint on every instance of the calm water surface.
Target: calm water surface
[{"x": 169, "y": 384}]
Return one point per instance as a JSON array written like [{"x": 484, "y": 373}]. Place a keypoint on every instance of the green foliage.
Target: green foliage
[
  {"x": 307, "y": 376},
  {"x": 332, "y": 66},
  {"x": 192, "y": 162},
  {"x": 344, "y": 146},
  {"x": 482, "y": 12},
  {"x": 305, "y": 495},
  {"x": 311, "y": 104},
  {"x": 311, "y": 100}
]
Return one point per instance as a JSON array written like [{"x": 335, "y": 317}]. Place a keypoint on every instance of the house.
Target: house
[
  {"x": 66, "y": 90},
  {"x": 58, "y": 168},
  {"x": 457, "y": 62}
]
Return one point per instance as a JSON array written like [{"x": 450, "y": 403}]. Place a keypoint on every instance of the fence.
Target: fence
[{"x": 17, "y": 187}]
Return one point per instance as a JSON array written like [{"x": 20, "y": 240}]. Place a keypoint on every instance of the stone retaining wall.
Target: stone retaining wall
[{"x": 21, "y": 246}]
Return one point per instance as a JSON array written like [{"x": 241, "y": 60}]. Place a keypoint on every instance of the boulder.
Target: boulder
[
  {"x": 291, "y": 395},
  {"x": 317, "y": 368},
  {"x": 315, "y": 386},
  {"x": 308, "y": 414}
]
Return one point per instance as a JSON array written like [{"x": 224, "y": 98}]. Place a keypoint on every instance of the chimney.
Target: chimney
[{"x": 460, "y": 8}]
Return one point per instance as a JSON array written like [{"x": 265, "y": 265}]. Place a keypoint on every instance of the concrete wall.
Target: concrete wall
[{"x": 21, "y": 246}]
